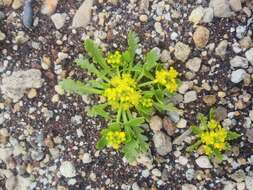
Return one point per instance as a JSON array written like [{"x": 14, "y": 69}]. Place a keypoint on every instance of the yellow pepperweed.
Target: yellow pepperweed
[
  {"x": 123, "y": 93},
  {"x": 167, "y": 79},
  {"x": 115, "y": 138},
  {"x": 147, "y": 102},
  {"x": 114, "y": 59}
]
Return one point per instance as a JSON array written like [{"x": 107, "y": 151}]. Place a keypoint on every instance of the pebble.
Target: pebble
[
  {"x": 203, "y": 162},
  {"x": 249, "y": 135},
  {"x": 158, "y": 27},
  {"x": 156, "y": 172},
  {"x": 221, "y": 49},
  {"x": 194, "y": 64},
  {"x": 83, "y": 14},
  {"x": 221, "y": 8},
  {"x": 249, "y": 182},
  {"x": 182, "y": 51},
  {"x": 182, "y": 160},
  {"x": 76, "y": 120},
  {"x": 182, "y": 124},
  {"x": 67, "y": 169},
  {"x": 59, "y": 89},
  {"x": 246, "y": 42},
  {"x": 162, "y": 143},
  {"x": 143, "y": 18},
  {"x": 165, "y": 56},
  {"x": 58, "y": 20},
  {"x": 188, "y": 187},
  {"x": 201, "y": 36},
  {"x": 238, "y": 176},
  {"x": 239, "y": 61},
  {"x": 240, "y": 31},
  {"x": 32, "y": 93},
  {"x": 2, "y": 36},
  {"x": 221, "y": 113},
  {"x": 49, "y": 7},
  {"x": 251, "y": 115},
  {"x": 208, "y": 15},
  {"x": 235, "y": 5},
  {"x": 169, "y": 126},
  {"x": 155, "y": 123},
  {"x": 86, "y": 158},
  {"x": 190, "y": 96},
  {"x": 17, "y": 4},
  {"x": 238, "y": 75},
  {"x": 249, "y": 55},
  {"x": 196, "y": 15},
  {"x": 209, "y": 99}
]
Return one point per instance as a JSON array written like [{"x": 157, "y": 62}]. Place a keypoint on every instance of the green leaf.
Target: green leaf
[
  {"x": 101, "y": 143},
  {"x": 130, "y": 150},
  {"x": 218, "y": 154},
  {"x": 97, "y": 55},
  {"x": 165, "y": 107},
  {"x": 133, "y": 41},
  {"x": 99, "y": 110},
  {"x": 151, "y": 60},
  {"x": 196, "y": 130},
  {"x": 97, "y": 84},
  {"x": 78, "y": 87},
  {"x": 194, "y": 146},
  {"x": 203, "y": 121},
  {"x": 232, "y": 135},
  {"x": 212, "y": 113},
  {"x": 135, "y": 122}
]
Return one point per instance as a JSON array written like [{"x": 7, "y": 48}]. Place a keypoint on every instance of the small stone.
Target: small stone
[
  {"x": 59, "y": 20},
  {"x": 182, "y": 51},
  {"x": 246, "y": 42},
  {"x": 6, "y": 2},
  {"x": 156, "y": 172},
  {"x": 201, "y": 36},
  {"x": 239, "y": 176},
  {"x": 208, "y": 15},
  {"x": 5, "y": 154},
  {"x": 221, "y": 113},
  {"x": 186, "y": 85},
  {"x": 86, "y": 158},
  {"x": 190, "y": 96},
  {"x": 59, "y": 89},
  {"x": 169, "y": 126},
  {"x": 156, "y": 123},
  {"x": 251, "y": 115},
  {"x": 17, "y": 4},
  {"x": 182, "y": 124},
  {"x": 221, "y": 8},
  {"x": 249, "y": 55},
  {"x": 189, "y": 187},
  {"x": 221, "y": 49},
  {"x": 143, "y": 18},
  {"x": 196, "y": 15},
  {"x": 76, "y": 120},
  {"x": 249, "y": 182},
  {"x": 203, "y": 162},
  {"x": 162, "y": 143},
  {"x": 55, "y": 98},
  {"x": 238, "y": 75},
  {"x": 182, "y": 160},
  {"x": 158, "y": 27},
  {"x": 2, "y": 36},
  {"x": 37, "y": 155},
  {"x": 193, "y": 64},
  {"x": 49, "y": 7},
  {"x": 249, "y": 135},
  {"x": 32, "y": 93},
  {"x": 235, "y": 5},
  {"x": 239, "y": 61},
  {"x": 241, "y": 31},
  {"x": 165, "y": 56},
  {"x": 45, "y": 62},
  {"x": 67, "y": 169},
  {"x": 209, "y": 100},
  {"x": 83, "y": 15}
]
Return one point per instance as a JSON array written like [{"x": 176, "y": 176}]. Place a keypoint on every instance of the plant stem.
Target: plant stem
[
  {"x": 119, "y": 115},
  {"x": 146, "y": 83},
  {"x": 124, "y": 116}
]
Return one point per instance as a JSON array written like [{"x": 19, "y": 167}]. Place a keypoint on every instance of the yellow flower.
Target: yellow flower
[
  {"x": 123, "y": 93},
  {"x": 147, "y": 102},
  {"x": 207, "y": 150},
  {"x": 212, "y": 124},
  {"x": 167, "y": 79},
  {"x": 114, "y": 59},
  {"x": 114, "y": 139}
]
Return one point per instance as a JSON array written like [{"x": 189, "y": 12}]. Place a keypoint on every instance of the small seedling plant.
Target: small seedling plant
[
  {"x": 211, "y": 136},
  {"x": 133, "y": 89}
]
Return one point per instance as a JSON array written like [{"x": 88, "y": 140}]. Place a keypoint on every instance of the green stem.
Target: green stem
[
  {"x": 129, "y": 115},
  {"x": 146, "y": 83},
  {"x": 124, "y": 116},
  {"x": 119, "y": 115}
]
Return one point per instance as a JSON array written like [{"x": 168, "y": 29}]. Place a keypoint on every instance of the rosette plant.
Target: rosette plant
[{"x": 132, "y": 90}]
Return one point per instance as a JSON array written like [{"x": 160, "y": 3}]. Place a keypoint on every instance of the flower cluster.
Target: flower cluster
[
  {"x": 214, "y": 138},
  {"x": 123, "y": 93},
  {"x": 167, "y": 79},
  {"x": 147, "y": 102},
  {"x": 115, "y": 138},
  {"x": 114, "y": 59}
]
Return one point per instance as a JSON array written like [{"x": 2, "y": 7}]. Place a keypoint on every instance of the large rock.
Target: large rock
[
  {"x": 162, "y": 143},
  {"x": 201, "y": 36},
  {"x": 15, "y": 86},
  {"x": 221, "y": 8},
  {"x": 182, "y": 51},
  {"x": 83, "y": 14}
]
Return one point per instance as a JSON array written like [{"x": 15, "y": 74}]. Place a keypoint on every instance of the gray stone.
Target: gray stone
[
  {"x": 249, "y": 55},
  {"x": 240, "y": 31},
  {"x": 5, "y": 154},
  {"x": 238, "y": 176},
  {"x": 59, "y": 20},
  {"x": 18, "y": 183},
  {"x": 162, "y": 143},
  {"x": 76, "y": 120},
  {"x": 182, "y": 51},
  {"x": 221, "y": 49},
  {"x": 190, "y": 96},
  {"x": 249, "y": 135},
  {"x": 221, "y": 113},
  {"x": 67, "y": 169},
  {"x": 238, "y": 75},
  {"x": 2, "y": 36},
  {"x": 86, "y": 158},
  {"x": 235, "y": 5},
  {"x": 17, "y": 4},
  {"x": 239, "y": 61},
  {"x": 221, "y": 8},
  {"x": 83, "y": 15},
  {"x": 196, "y": 15},
  {"x": 249, "y": 182},
  {"x": 193, "y": 64},
  {"x": 155, "y": 123},
  {"x": 203, "y": 162},
  {"x": 208, "y": 15},
  {"x": 165, "y": 56},
  {"x": 189, "y": 187},
  {"x": 15, "y": 86}
]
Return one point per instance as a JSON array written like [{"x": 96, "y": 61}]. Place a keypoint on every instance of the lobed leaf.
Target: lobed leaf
[{"x": 99, "y": 110}]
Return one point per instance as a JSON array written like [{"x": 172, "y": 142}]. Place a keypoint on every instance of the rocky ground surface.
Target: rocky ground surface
[{"x": 47, "y": 140}]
